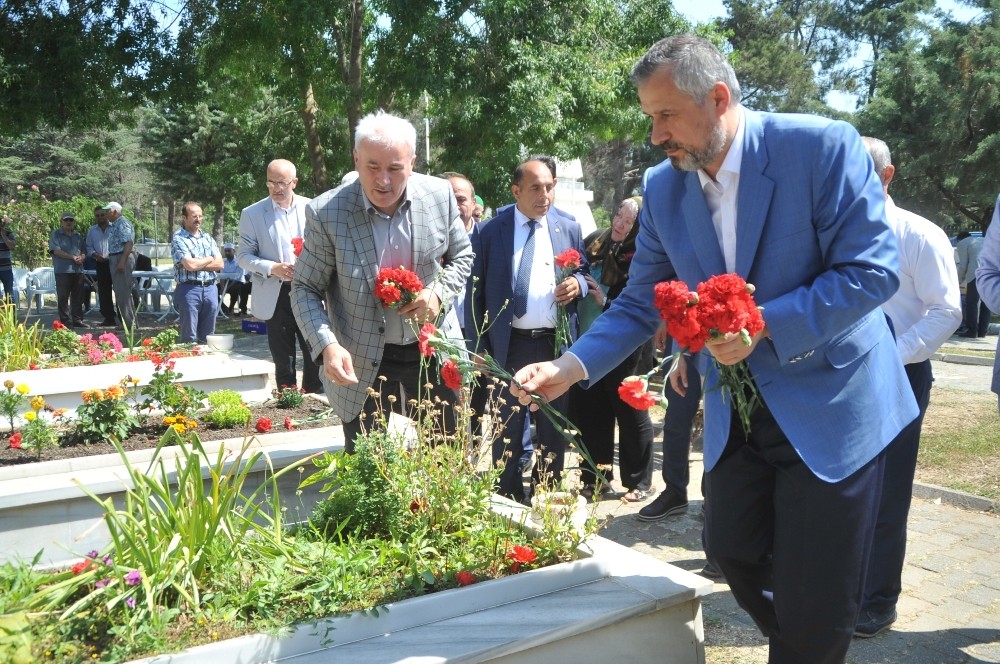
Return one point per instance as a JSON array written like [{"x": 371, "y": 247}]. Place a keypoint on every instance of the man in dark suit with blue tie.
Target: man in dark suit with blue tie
[
  {"x": 792, "y": 204},
  {"x": 511, "y": 303}
]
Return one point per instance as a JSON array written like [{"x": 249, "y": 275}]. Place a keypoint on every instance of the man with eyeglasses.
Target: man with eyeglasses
[{"x": 271, "y": 234}]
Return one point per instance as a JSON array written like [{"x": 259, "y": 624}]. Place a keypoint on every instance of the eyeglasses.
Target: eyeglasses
[{"x": 271, "y": 184}]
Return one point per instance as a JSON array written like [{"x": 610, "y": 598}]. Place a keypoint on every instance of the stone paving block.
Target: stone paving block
[
  {"x": 976, "y": 592},
  {"x": 954, "y": 610},
  {"x": 986, "y": 565},
  {"x": 934, "y": 592},
  {"x": 942, "y": 563},
  {"x": 985, "y": 652},
  {"x": 952, "y": 646}
]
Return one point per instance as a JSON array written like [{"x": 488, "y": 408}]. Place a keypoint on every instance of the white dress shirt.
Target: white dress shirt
[
  {"x": 720, "y": 195},
  {"x": 926, "y": 309},
  {"x": 541, "y": 288},
  {"x": 289, "y": 223}
]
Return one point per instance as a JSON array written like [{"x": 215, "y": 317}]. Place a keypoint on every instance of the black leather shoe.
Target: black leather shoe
[
  {"x": 871, "y": 624},
  {"x": 667, "y": 503}
]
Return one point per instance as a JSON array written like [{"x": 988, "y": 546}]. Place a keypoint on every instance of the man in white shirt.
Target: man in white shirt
[
  {"x": 270, "y": 230},
  {"x": 925, "y": 311}
]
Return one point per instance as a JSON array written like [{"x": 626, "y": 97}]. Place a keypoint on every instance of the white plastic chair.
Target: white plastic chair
[
  {"x": 41, "y": 282},
  {"x": 20, "y": 286}
]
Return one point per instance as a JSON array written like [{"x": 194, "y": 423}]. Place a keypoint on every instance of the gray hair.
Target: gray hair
[
  {"x": 385, "y": 129},
  {"x": 696, "y": 64},
  {"x": 879, "y": 152}
]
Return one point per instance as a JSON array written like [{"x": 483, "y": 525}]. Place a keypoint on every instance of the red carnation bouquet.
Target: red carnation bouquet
[
  {"x": 397, "y": 287},
  {"x": 722, "y": 305},
  {"x": 568, "y": 262}
]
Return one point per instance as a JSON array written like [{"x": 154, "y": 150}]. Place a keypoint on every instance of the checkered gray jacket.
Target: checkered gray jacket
[{"x": 338, "y": 266}]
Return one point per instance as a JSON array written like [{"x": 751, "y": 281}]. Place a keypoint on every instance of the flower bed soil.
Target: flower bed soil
[{"x": 147, "y": 437}]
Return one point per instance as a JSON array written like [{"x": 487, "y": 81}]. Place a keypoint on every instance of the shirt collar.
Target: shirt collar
[
  {"x": 521, "y": 219},
  {"x": 281, "y": 210},
  {"x": 404, "y": 205},
  {"x": 734, "y": 157}
]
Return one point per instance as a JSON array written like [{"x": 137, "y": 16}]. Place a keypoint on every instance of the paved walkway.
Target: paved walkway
[{"x": 950, "y": 608}]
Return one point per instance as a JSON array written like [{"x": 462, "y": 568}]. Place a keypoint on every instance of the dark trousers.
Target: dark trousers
[
  {"x": 595, "y": 411},
  {"x": 885, "y": 565},
  {"x": 282, "y": 332},
  {"x": 69, "y": 297},
  {"x": 975, "y": 312},
  {"x": 238, "y": 292},
  {"x": 678, "y": 423},
  {"x": 793, "y": 547},
  {"x": 405, "y": 379},
  {"x": 508, "y": 446}
]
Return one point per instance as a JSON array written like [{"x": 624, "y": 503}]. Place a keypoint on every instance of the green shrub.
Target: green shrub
[
  {"x": 105, "y": 415},
  {"x": 20, "y": 344},
  {"x": 226, "y": 410}
]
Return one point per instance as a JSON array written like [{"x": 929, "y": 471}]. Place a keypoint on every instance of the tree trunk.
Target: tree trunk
[
  {"x": 310, "y": 110},
  {"x": 352, "y": 77},
  {"x": 220, "y": 218}
]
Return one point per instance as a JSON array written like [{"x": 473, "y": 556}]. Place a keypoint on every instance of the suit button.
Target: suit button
[
  {"x": 374, "y": 363},
  {"x": 381, "y": 330}
]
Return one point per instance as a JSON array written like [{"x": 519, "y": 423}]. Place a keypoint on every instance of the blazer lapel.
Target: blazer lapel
[
  {"x": 507, "y": 258},
  {"x": 754, "y": 196},
  {"x": 364, "y": 240},
  {"x": 700, "y": 228}
]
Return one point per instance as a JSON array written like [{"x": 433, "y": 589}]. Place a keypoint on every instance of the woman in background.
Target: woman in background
[{"x": 609, "y": 252}]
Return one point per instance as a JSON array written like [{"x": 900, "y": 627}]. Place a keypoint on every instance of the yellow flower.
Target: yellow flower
[
  {"x": 30, "y": 416},
  {"x": 169, "y": 420},
  {"x": 179, "y": 428},
  {"x": 9, "y": 384},
  {"x": 37, "y": 402},
  {"x": 114, "y": 392},
  {"x": 23, "y": 389}
]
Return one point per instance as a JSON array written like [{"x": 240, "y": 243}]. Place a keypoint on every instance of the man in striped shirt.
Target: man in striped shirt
[{"x": 197, "y": 261}]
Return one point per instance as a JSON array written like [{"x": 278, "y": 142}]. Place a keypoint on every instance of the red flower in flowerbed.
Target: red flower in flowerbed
[
  {"x": 15, "y": 440},
  {"x": 521, "y": 555},
  {"x": 289, "y": 424},
  {"x": 397, "y": 287},
  {"x": 633, "y": 392},
  {"x": 263, "y": 425},
  {"x": 451, "y": 375},
  {"x": 465, "y": 578}
]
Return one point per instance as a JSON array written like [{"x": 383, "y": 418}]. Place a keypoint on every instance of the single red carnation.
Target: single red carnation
[
  {"x": 297, "y": 246},
  {"x": 465, "y": 578},
  {"x": 33, "y": 367},
  {"x": 633, "y": 392},
  {"x": 80, "y": 566},
  {"x": 56, "y": 325},
  {"x": 263, "y": 425},
  {"x": 289, "y": 424},
  {"x": 569, "y": 259},
  {"x": 451, "y": 375},
  {"x": 147, "y": 342},
  {"x": 427, "y": 332},
  {"x": 15, "y": 440}
]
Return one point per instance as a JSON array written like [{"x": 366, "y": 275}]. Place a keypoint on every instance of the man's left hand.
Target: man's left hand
[
  {"x": 425, "y": 307},
  {"x": 567, "y": 291}
]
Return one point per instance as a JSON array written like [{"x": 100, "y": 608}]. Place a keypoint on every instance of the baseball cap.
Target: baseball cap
[
  {"x": 67, "y": 215},
  {"x": 113, "y": 205}
]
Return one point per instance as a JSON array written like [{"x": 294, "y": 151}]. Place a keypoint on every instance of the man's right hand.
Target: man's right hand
[
  {"x": 549, "y": 380},
  {"x": 284, "y": 271},
  {"x": 338, "y": 365}
]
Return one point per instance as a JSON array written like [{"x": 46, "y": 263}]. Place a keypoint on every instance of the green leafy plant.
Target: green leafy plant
[
  {"x": 20, "y": 343},
  {"x": 105, "y": 415},
  {"x": 226, "y": 410},
  {"x": 41, "y": 430},
  {"x": 288, "y": 396},
  {"x": 33, "y": 217},
  {"x": 12, "y": 400},
  {"x": 164, "y": 391},
  {"x": 61, "y": 340}
]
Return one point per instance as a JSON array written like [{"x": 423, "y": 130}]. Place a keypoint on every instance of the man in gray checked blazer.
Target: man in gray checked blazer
[{"x": 388, "y": 217}]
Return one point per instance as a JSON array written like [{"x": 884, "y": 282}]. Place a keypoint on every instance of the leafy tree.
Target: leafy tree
[
  {"x": 937, "y": 106},
  {"x": 75, "y": 64}
]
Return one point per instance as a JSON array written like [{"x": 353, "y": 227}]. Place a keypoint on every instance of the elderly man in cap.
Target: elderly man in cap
[
  {"x": 233, "y": 281},
  {"x": 121, "y": 237},
  {"x": 68, "y": 251}
]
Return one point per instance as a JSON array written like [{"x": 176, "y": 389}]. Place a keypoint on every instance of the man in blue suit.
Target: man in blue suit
[
  {"x": 792, "y": 204},
  {"x": 514, "y": 337}
]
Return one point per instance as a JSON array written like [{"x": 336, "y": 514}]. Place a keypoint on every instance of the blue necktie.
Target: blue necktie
[{"x": 524, "y": 272}]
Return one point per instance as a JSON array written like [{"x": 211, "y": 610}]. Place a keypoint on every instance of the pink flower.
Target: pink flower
[
  {"x": 34, "y": 187},
  {"x": 427, "y": 332},
  {"x": 133, "y": 578}
]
